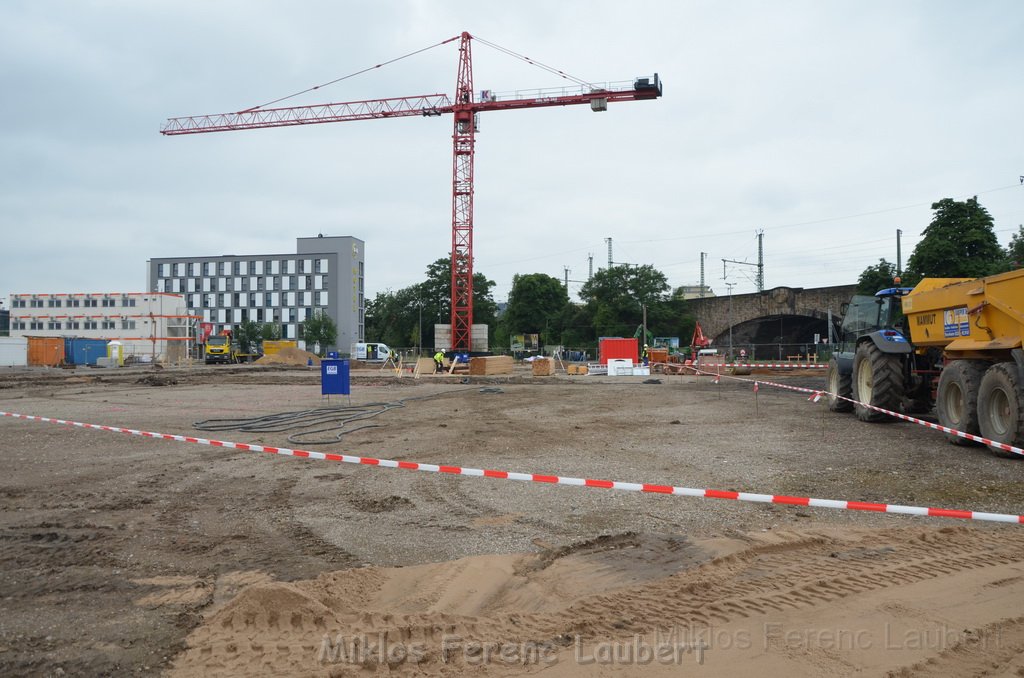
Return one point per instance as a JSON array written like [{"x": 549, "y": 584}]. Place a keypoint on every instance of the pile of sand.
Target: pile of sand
[
  {"x": 290, "y": 356},
  {"x": 786, "y": 604}
]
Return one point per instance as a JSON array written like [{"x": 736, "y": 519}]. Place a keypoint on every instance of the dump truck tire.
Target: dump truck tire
[
  {"x": 957, "y": 400},
  {"x": 1001, "y": 407},
  {"x": 838, "y": 384},
  {"x": 877, "y": 381}
]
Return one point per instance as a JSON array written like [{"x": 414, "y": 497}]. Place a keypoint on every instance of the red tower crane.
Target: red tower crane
[{"x": 464, "y": 108}]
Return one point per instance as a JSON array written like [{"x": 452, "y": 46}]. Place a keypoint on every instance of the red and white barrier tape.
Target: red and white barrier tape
[
  {"x": 557, "y": 480},
  {"x": 692, "y": 366},
  {"x": 818, "y": 394}
]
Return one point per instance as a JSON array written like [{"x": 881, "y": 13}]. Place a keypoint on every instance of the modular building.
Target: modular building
[{"x": 149, "y": 326}]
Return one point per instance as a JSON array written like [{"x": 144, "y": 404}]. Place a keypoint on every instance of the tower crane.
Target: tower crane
[{"x": 464, "y": 107}]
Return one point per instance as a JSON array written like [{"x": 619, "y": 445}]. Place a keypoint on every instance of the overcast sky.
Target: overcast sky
[{"x": 829, "y": 125}]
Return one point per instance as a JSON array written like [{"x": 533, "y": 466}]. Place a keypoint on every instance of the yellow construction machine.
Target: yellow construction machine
[{"x": 956, "y": 344}]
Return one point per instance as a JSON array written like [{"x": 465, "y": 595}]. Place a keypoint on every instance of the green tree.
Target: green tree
[
  {"x": 249, "y": 335},
  {"x": 615, "y": 298},
  {"x": 1015, "y": 251},
  {"x": 436, "y": 290},
  {"x": 535, "y": 306},
  {"x": 270, "y": 332},
  {"x": 320, "y": 331},
  {"x": 877, "y": 277},
  {"x": 393, "y": 317},
  {"x": 958, "y": 243}
]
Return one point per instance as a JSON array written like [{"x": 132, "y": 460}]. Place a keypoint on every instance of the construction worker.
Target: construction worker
[
  {"x": 645, "y": 357},
  {"x": 439, "y": 361}
]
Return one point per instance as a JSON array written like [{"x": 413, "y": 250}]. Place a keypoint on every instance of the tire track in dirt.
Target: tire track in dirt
[
  {"x": 482, "y": 599},
  {"x": 994, "y": 650},
  {"x": 805, "y": 572}
]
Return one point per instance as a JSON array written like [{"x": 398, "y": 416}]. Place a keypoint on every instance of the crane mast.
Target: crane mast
[
  {"x": 464, "y": 109},
  {"x": 463, "y": 142}
]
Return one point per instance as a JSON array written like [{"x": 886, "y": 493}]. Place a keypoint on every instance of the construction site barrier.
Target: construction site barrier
[{"x": 553, "y": 479}]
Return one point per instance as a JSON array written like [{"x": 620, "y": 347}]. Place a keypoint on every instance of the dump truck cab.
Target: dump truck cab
[
  {"x": 219, "y": 349},
  {"x": 878, "y": 318},
  {"x": 874, "y": 363}
]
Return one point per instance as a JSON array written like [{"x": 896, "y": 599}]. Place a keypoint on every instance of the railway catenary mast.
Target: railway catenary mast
[{"x": 464, "y": 108}]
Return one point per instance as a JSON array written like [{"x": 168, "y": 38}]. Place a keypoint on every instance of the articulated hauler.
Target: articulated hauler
[{"x": 951, "y": 343}]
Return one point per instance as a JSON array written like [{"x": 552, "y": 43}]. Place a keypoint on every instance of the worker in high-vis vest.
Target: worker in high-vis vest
[{"x": 439, "y": 362}]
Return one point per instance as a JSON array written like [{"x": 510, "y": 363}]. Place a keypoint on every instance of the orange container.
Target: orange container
[
  {"x": 45, "y": 351},
  {"x": 658, "y": 355}
]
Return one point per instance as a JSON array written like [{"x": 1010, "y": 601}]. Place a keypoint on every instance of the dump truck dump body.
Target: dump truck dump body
[{"x": 979, "y": 318}]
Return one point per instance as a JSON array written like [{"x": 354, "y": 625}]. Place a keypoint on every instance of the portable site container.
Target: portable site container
[
  {"x": 617, "y": 347},
  {"x": 658, "y": 355},
  {"x": 45, "y": 351},
  {"x": 13, "y": 351},
  {"x": 79, "y": 351}
]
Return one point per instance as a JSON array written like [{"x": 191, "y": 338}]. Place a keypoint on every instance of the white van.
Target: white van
[{"x": 370, "y": 352}]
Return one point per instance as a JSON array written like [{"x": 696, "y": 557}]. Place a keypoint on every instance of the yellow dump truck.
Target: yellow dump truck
[
  {"x": 953, "y": 343},
  {"x": 220, "y": 349}
]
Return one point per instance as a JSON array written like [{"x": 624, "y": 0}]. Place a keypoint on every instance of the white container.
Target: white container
[
  {"x": 13, "y": 351},
  {"x": 620, "y": 367}
]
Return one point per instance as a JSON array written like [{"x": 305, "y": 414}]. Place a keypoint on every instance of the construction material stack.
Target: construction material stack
[
  {"x": 493, "y": 364},
  {"x": 543, "y": 367}
]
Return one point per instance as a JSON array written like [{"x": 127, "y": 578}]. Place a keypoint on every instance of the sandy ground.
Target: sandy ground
[{"x": 126, "y": 555}]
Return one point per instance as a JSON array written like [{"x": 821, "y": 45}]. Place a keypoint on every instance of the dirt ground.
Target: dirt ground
[{"x": 126, "y": 555}]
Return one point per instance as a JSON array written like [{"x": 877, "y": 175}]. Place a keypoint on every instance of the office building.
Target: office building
[{"x": 325, "y": 273}]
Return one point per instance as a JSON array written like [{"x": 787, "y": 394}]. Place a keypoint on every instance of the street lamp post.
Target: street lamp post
[{"x": 419, "y": 333}]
